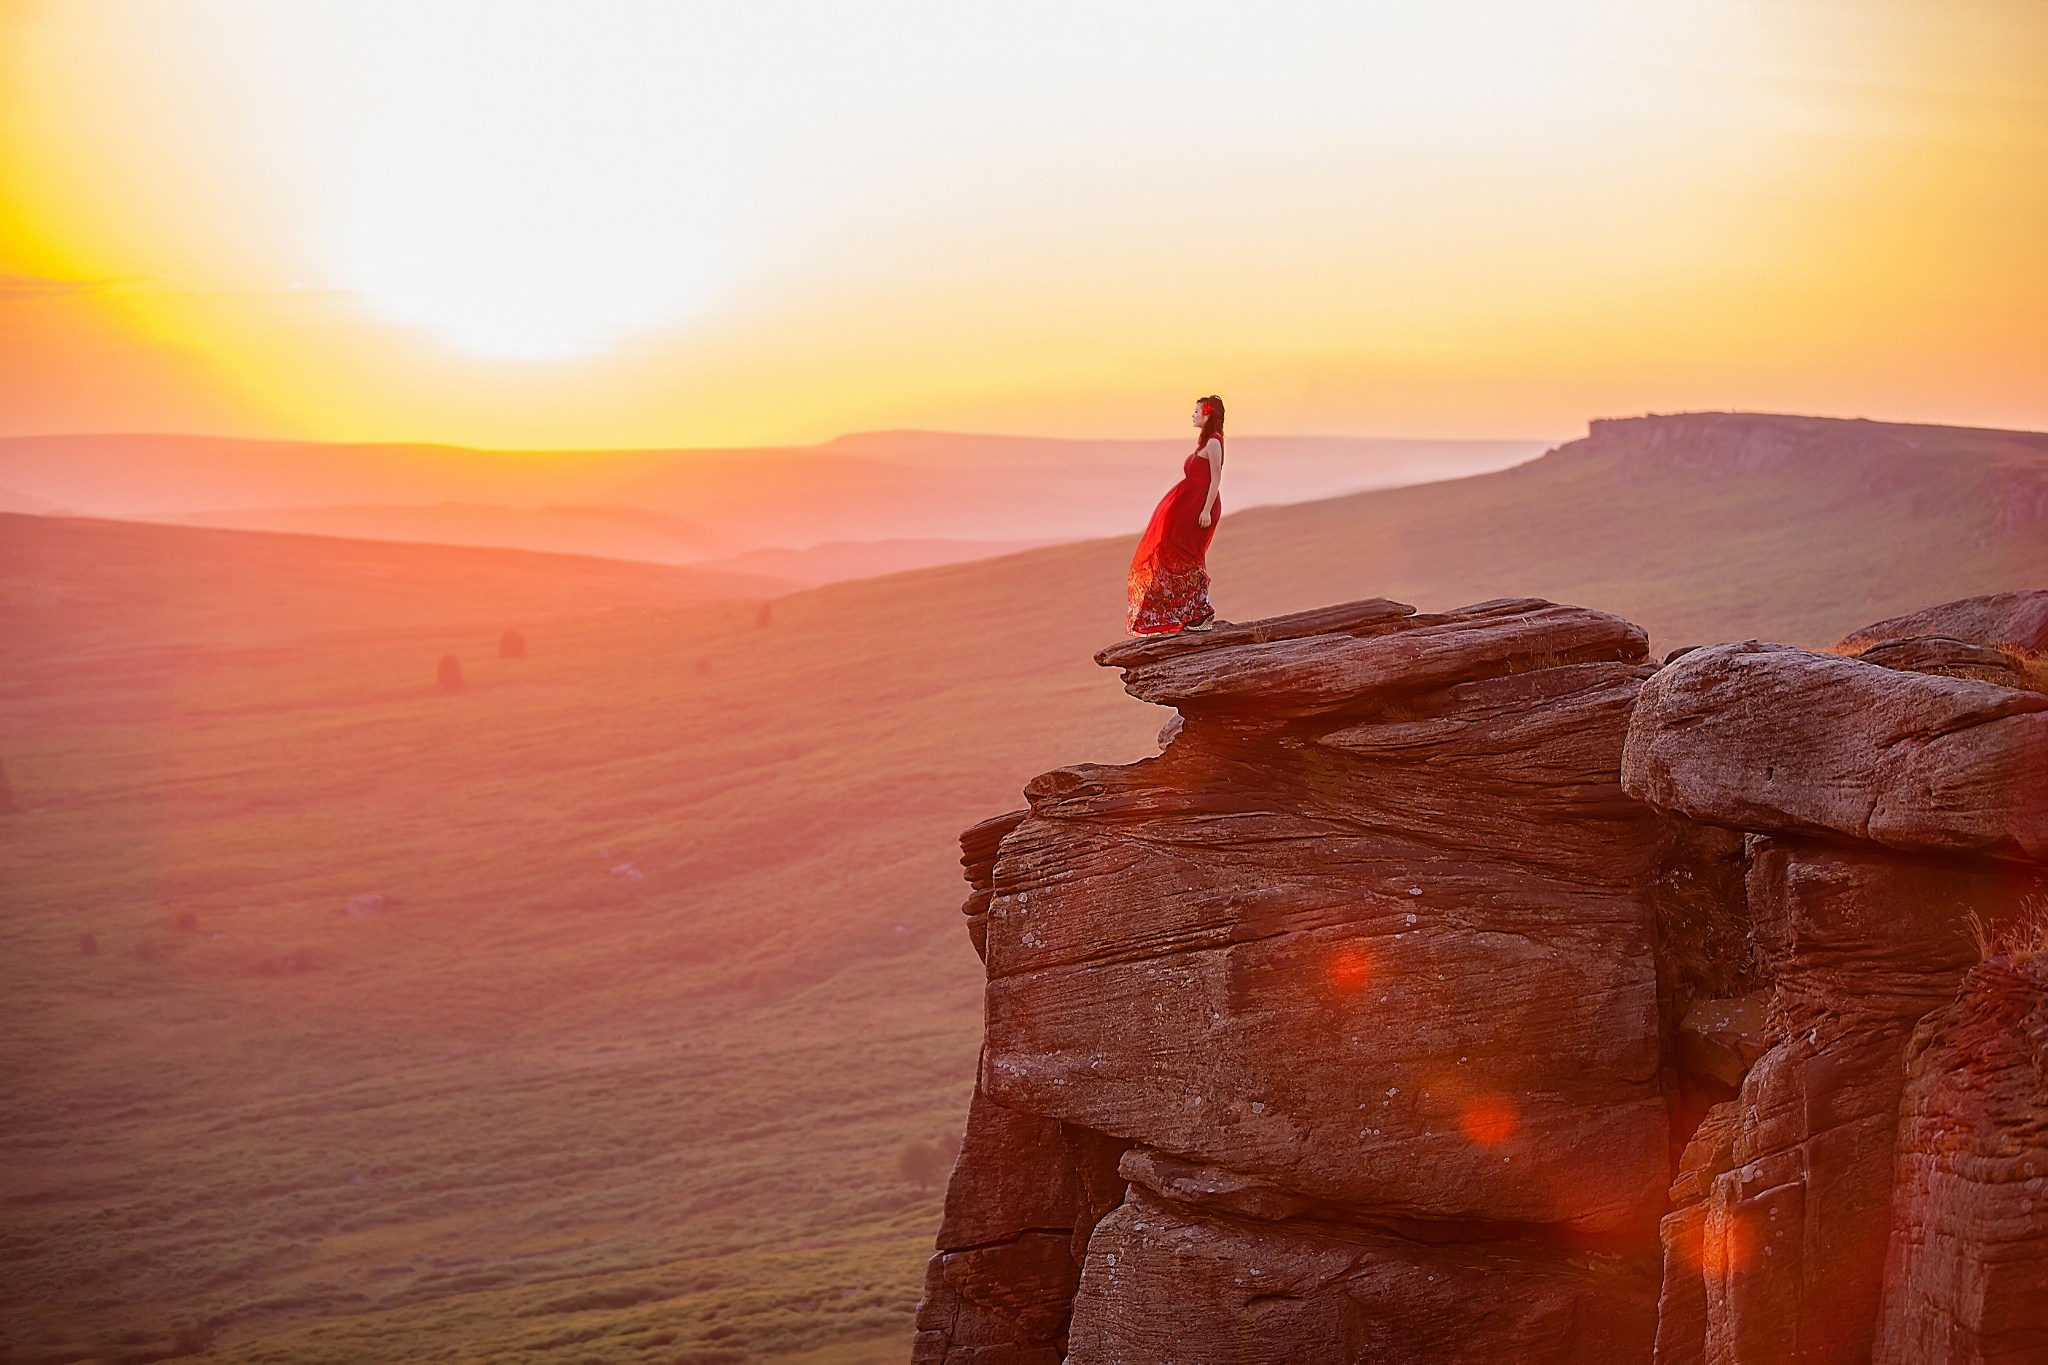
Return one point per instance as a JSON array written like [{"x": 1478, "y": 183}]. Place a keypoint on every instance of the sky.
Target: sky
[{"x": 611, "y": 223}]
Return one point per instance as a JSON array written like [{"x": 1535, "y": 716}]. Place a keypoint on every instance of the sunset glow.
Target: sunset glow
[
  {"x": 526, "y": 191},
  {"x": 648, "y": 223}
]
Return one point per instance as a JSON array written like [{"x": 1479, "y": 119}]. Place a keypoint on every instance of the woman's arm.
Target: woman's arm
[{"x": 1213, "y": 453}]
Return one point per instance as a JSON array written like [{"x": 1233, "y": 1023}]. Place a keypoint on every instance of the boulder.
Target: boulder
[
  {"x": 2014, "y": 620},
  {"x": 1954, "y": 659},
  {"x": 1772, "y": 739},
  {"x": 1896, "y": 809},
  {"x": 1163, "y": 1283},
  {"x": 1373, "y": 662},
  {"x": 1966, "y": 1277}
]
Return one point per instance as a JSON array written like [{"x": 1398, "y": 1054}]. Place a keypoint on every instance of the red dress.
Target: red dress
[{"x": 1169, "y": 583}]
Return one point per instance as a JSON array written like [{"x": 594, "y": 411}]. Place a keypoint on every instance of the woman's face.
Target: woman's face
[{"x": 1199, "y": 414}]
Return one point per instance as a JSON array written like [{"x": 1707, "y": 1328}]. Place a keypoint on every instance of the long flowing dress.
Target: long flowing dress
[{"x": 1169, "y": 582}]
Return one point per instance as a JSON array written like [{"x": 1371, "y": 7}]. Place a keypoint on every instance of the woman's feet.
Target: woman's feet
[{"x": 1206, "y": 623}]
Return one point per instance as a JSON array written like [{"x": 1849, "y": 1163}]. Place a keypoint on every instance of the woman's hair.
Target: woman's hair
[{"x": 1212, "y": 418}]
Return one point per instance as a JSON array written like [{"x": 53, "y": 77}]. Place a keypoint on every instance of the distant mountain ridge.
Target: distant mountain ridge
[
  {"x": 869, "y": 487},
  {"x": 1760, "y": 440},
  {"x": 838, "y": 561},
  {"x": 613, "y": 532},
  {"x": 11, "y": 501}
]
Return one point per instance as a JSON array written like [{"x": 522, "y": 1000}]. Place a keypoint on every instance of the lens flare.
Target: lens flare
[
  {"x": 1728, "y": 1243},
  {"x": 1489, "y": 1120},
  {"x": 1349, "y": 970}
]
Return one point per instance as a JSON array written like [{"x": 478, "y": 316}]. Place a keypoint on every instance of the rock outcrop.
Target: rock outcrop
[
  {"x": 2002, "y": 639},
  {"x": 1966, "y": 1278},
  {"x": 1360, "y": 972},
  {"x": 2011, "y": 621},
  {"x": 1889, "y": 812},
  {"x": 1025, "y": 1194},
  {"x": 1770, "y": 738},
  {"x": 1407, "y": 1006}
]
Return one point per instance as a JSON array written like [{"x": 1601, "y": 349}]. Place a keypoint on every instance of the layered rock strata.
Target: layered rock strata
[
  {"x": 1966, "y": 1275},
  {"x": 1360, "y": 970},
  {"x": 1893, "y": 817},
  {"x": 1369, "y": 1021},
  {"x": 1024, "y": 1197}
]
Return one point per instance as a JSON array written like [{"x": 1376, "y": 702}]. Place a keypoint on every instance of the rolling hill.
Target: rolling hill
[
  {"x": 667, "y": 971},
  {"x": 610, "y": 532},
  {"x": 835, "y": 561},
  {"x": 678, "y": 506},
  {"x": 74, "y": 585}
]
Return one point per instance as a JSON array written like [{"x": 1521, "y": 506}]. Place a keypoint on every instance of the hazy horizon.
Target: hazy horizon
[{"x": 861, "y": 487}]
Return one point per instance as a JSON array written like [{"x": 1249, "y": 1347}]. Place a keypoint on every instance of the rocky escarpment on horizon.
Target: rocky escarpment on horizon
[
  {"x": 1397, "y": 1010},
  {"x": 2006, "y": 480}
]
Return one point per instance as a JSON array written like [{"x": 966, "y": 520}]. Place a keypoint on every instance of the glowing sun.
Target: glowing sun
[{"x": 528, "y": 183}]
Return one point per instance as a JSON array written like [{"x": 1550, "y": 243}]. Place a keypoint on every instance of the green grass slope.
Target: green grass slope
[{"x": 543, "y": 1107}]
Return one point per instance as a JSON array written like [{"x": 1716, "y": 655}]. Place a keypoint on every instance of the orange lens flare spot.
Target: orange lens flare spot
[
  {"x": 1489, "y": 1120},
  {"x": 1728, "y": 1244},
  {"x": 1349, "y": 969}
]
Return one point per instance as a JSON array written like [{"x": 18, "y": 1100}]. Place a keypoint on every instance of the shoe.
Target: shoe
[{"x": 1204, "y": 624}]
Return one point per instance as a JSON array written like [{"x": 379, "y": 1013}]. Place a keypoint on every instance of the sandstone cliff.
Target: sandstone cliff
[
  {"x": 1898, "y": 819},
  {"x": 1373, "y": 1019}
]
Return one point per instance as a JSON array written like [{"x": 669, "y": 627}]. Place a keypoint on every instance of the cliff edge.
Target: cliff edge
[{"x": 1373, "y": 1019}]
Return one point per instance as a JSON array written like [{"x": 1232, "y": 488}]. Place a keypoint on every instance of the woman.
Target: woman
[{"x": 1169, "y": 583}]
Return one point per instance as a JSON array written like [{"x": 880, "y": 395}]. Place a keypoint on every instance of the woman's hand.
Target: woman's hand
[{"x": 1204, "y": 520}]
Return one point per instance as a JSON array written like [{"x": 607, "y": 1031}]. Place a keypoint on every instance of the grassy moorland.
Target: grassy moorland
[
  {"x": 538, "y": 1100},
  {"x": 668, "y": 970}
]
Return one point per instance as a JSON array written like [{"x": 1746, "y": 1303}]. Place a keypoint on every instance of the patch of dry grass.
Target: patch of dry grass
[
  {"x": 2021, "y": 940},
  {"x": 2033, "y": 667}
]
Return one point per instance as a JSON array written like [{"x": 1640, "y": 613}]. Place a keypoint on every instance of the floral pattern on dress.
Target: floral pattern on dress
[{"x": 1165, "y": 599}]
